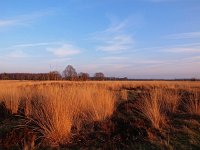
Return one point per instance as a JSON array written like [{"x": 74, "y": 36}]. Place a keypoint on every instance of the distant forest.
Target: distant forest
[
  {"x": 52, "y": 76},
  {"x": 70, "y": 74}
]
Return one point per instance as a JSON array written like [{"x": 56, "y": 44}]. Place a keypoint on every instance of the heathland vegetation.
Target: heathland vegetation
[{"x": 99, "y": 115}]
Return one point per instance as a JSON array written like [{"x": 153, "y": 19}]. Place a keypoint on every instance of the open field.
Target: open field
[{"x": 99, "y": 114}]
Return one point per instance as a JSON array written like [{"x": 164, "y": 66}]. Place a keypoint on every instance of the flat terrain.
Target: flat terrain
[{"x": 100, "y": 115}]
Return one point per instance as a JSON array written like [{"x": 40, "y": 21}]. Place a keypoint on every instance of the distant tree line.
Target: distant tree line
[
  {"x": 69, "y": 73},
  {"x": 31, "y": 76}
]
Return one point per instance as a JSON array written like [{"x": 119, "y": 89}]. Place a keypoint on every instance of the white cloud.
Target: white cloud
[
  {"x": 186, "y": 35},
  {"x": 114, "y": 58},
  {"x": 183, "y": 49},
  {"x": 180, "y": 48},
  {"x": 117, "y": 43},
  {"x": 64, "y": 50},
  {"x": 195, "y": 58},
  {"x": 115, "y": 38},
  {"x": 159, "y": 1},
  {"x": 17, "y": 54},
  {"x": 32, "y": 44},
  {"x": 60, "y": 60},
  {"x": 116, "y": 25},
  {"x": 5, "y": 23},
  {"x": 23, "y": 20}
]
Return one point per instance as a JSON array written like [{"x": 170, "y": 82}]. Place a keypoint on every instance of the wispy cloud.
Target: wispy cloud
[
  {"x": 116, "y": 43},
  {"x": 115, "y": 38},
  {"x": 58, "y": 49},
  {"x": 183, "y": 50},
  {"x": 17, "y": 54},
  {"x": 196, "y": 58},
  {"x": 177, "y": 48},
  {"x": 186, "y": 35},
  {"x": 115, "y": 58},
  {"x": 64, "y": 50},
  {"x": 6, "y": 23},
  {"x": 32, "y": 45},
  {"x": 23, "y": 20},
  {"x": 159, "y": 1}
]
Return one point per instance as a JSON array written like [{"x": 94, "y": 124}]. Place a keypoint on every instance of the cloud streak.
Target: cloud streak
[
  {"x": 115, "y": 38},
  {"x": 32, "y": 45},
  {"x": 159, "y": 1},
  {"x": 5, "y": 23},
  {"x": 184, "y": 50},
  {"x": 17, "y": 54},
  {"x": 23, "y": 20},
  {"x": 179, "y": 48},
  {"x": 64, "y": 50},
  {"x": 116, "y": 43},
  {"x": 186, "y": 35}
]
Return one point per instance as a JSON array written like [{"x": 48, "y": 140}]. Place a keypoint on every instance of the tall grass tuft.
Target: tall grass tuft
[
  {"x": 152, "y": 108},
  {"x": 170, "y": 99},
  {"x": 193, "y": 103}
]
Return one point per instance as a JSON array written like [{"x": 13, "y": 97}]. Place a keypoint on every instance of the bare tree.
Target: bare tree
[
  {"x": 99, "y": 76},
  {"x": 70, "y": 73},
  {"x": 83, "y": 76}
]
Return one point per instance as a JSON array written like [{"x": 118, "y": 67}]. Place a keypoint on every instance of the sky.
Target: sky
[{"x": 122, "y": 38}]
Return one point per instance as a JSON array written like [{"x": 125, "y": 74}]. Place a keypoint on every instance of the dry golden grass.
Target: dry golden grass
[
  {"x": 158, "y": 104},
  {"x": 56, "y": 106},
  {"x": 152, "y": 107},
  {"x": 170, "y": 99},
  {"x": 54, "y": 109},
  {"x": 193, "y": 103}
]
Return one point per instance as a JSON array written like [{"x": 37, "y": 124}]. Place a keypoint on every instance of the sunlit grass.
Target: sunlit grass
[{"x": 53, "y": 108}]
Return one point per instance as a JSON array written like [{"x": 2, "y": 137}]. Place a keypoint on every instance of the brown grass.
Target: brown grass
[
  {"x": 152, "y": 107},
  {"x": 55, "y": 107},
  {"x": 158, "y": 104},
  {"x": 193, "y": 103},
  {"x": 170, "y": 99}
]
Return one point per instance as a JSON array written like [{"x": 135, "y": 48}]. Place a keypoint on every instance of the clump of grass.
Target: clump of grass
[
  {"x": 152, "y": 108},
  {"x": 11, "y": 98},
  {"x": 124, "y": 94},
  {"x": 158, "y": 104},
  {"x": 55, "y": 109},
  {"x": 193, "y": 103},
  {"x": 51, "y": 120},
  {"x": 171, "y": 100}
]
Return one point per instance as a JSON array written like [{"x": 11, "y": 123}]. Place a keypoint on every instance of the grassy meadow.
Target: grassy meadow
[{"x": 99, "y": 115}]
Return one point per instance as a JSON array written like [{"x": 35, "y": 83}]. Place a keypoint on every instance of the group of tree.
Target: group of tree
[{"x": 69, "y": 73}]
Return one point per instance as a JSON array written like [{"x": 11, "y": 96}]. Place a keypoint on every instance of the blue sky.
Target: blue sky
[{"x": 132, "y": 38}]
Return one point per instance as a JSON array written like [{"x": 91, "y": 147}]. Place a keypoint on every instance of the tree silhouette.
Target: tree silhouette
[
  {"x": 83, "y": 76},
  {"x": 70, "y": 73},
  {"x": 99, "y": 76}
]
